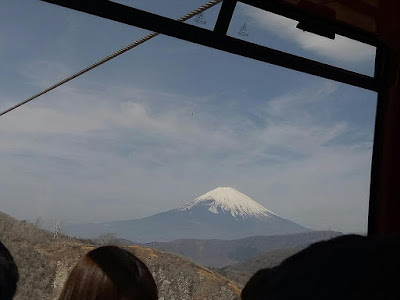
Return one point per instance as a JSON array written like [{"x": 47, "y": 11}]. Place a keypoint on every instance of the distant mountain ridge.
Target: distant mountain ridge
[
  {"x": 223, "y": 213},
  {"x": 220, "y": 253},
  {"x": 241, "y": 272}
]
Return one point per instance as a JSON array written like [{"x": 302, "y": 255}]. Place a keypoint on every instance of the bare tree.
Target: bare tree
[
  {"x": 107, "y": 239},
  {"x": 38, "y": 223},
  {"x": 57, "y": 228}
]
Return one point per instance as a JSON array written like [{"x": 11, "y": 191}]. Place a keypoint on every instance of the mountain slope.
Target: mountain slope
[
  {"x": 242, "y": 272},
  {"x": 220, "y": 253},
  {"x": 44, "y": 264},
  {"x": 223, "y": 213},
  {"x": 227, "y": 199}
]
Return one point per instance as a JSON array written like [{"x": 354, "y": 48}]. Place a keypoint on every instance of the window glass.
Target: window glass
[
  {"x": 178, "y": 139},
  {"x": 278, "y": 32}
]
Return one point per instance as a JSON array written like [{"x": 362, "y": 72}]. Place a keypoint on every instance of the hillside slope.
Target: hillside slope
[
  {"x": 220, "y": 253},
  {"x": 242, "y": 272},
  {"x": 44, "y": 264}
]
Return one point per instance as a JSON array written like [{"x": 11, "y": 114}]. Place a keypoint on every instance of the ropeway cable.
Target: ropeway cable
[{"x": 111, "y": 56}]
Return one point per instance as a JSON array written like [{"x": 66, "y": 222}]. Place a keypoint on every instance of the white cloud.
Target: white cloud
[
  {"x": 77, "y": 145},
  {"x": 342, "y": 49},
  {"x": 44, "y": 73}
]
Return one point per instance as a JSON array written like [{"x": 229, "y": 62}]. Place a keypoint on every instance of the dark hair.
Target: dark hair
[
  {"x": 110, "y": 273},
  {"x": 347, "y": 267},
  {"x": 8, "y": 274}
]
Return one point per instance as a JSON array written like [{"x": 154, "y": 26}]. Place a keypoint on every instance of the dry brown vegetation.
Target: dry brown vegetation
[
  {"x": 32, "y": 249},
  {"x": 44, "y": 264}
]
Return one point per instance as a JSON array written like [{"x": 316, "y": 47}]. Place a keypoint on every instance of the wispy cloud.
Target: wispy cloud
[
  {"x": 86, "y": 143},
  {"x": 170, "y": 120},
  {"x": 135, "y": 126},
  {"x": 44, "y": 73},
  {"x": 341, "y": 48}
]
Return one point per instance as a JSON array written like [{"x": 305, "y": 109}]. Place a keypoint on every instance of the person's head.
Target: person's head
[
  {"x": 110, "y": 273},
  {"x": 347, "y": 267},
  {"x": 8, "y": 274}
]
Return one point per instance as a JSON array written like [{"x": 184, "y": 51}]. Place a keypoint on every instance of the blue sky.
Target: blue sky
[{"x": 170, "y": 120}]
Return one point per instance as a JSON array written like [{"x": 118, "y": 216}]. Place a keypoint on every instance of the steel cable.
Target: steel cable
[{"x": 113, "y": 55}]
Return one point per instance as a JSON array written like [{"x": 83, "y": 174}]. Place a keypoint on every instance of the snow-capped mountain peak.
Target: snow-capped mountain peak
[{"x": 230, "y": 200}]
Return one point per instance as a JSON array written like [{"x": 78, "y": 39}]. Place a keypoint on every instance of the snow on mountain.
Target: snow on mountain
[
  {"x": 230, "y": 200},
  {"x": 223, "y": 213}
]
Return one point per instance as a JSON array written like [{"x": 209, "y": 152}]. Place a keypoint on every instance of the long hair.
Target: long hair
[{"x": 110, "y": 273}]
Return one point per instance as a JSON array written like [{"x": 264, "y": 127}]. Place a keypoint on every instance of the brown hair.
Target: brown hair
[{"x": 110, "y": 273}]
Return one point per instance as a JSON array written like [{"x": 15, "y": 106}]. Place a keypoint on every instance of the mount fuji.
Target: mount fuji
[{"x": 223, "y": 213}]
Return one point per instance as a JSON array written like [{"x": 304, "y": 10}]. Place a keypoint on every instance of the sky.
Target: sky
[{"x": 170, "y": 120}]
